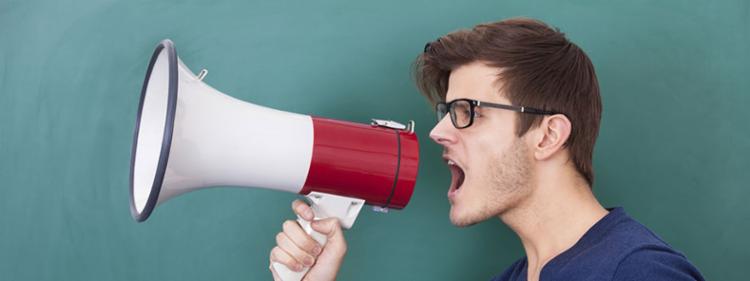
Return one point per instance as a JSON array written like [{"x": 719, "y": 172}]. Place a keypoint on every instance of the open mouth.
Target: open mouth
[{"x": 457, "y": 176}]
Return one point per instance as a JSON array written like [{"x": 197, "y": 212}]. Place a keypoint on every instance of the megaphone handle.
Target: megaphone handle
[{"x": 324, "y": 206}]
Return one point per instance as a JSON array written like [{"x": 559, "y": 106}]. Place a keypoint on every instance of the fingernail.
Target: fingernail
[
  {"x": 317, "y": 250},
  {"x": 309, "y": 213},
  {"x": 309, "y": 261},
  {"x": 298, "y": 267}
]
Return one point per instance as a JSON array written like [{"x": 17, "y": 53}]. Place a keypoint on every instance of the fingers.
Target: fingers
[
  {"x": 300, "y": 238},
  {"x": 300, "y": 257},
  {"x": 280, "y": 256},
  {"x": 299, "y": 249},
  {"x": 303, "y": 210},
  {"x": 295, "y": 248}
]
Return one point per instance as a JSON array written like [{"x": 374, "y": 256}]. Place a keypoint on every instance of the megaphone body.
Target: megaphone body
[{"x": 189, "y": 136}]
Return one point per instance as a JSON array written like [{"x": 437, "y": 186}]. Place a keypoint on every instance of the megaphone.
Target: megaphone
[{"x": 189, "y": 136}]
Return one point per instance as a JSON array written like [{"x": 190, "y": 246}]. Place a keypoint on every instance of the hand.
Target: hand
[{"x": 296, "y": 249}]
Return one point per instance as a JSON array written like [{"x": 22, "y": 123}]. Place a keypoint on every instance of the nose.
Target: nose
[{"x": 443, "y": 133}]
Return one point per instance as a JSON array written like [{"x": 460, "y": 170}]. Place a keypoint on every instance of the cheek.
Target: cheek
[
  {"x": 489, "y": 146},
  {"x": 495, "y": 134},
  {"x": 483, "y": 153}
]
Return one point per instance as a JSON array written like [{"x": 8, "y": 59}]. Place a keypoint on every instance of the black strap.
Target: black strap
[{"x": 398, "y": 166}]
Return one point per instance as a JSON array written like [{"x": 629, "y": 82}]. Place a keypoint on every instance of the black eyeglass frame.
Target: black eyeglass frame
[{"x": 473, "y": 104}]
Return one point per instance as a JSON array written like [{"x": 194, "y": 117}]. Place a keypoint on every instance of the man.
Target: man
[{"x": 519, "y": 110}]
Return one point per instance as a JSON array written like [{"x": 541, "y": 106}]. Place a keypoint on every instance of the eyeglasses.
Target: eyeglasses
[{"x": 463, "y": 110}]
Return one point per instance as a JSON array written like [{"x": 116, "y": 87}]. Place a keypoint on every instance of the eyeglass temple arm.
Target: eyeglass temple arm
[{"x": 522, "y": 109}]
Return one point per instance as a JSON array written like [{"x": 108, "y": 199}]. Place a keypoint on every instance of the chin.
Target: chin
[{"x": 462, "y": 218}]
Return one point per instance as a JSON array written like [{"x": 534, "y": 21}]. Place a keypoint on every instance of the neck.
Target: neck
[{"x": 554, "y": 217}]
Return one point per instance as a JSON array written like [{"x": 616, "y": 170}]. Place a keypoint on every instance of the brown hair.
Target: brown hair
[{"x": 540, "y": 68}]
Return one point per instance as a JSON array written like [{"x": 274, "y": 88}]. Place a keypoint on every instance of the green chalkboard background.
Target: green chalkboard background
[{"x": 673, "y": 150}]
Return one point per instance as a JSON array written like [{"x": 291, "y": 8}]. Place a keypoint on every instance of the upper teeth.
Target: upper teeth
[{"x": 450, "y": 162}]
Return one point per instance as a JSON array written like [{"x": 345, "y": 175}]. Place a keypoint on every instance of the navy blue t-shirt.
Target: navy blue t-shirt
[{"x": 616, "y": 248}]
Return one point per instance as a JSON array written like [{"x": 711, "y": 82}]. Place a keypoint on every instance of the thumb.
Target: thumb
[
  {"x": 335, "y": 248},
  {"x": 329, "y": 227},
  {"x": 329, "y": 261}
]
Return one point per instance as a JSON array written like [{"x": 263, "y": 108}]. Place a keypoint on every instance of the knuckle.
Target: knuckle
[
  {"x": 288, "y": 224},
  {"x": 280, "y": 238},
  {"x": 291, "y": 263},
  {"x": 301, "y": 207},
  {"x": 278, "y": 255},
  {"x": 296, "y": 204},
  {"x": 300, "y": 257},
  {"x": 306, "y": 259},
  {"x": 275, "y": 253}
]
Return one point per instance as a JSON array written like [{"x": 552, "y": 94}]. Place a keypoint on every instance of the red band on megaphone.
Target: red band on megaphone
[{"x": 373, "y": 163}]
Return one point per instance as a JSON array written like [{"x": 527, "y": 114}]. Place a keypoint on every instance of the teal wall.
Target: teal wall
[{"x": 673, "y": 150}]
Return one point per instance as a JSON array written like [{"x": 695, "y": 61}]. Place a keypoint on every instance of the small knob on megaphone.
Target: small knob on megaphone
[{"x": 202, "y": 74}]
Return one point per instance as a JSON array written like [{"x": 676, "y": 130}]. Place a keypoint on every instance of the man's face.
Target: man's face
[{"x": 490, "y": 166}]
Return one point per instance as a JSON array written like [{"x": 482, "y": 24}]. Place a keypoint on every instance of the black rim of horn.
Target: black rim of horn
[{"x": 153, "y": 197}]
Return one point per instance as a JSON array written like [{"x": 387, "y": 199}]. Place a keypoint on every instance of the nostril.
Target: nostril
[
  {"x": 440, "y": 140},
  {"x": 435, "y": 136},
  {"x": 441, "y": 135}
]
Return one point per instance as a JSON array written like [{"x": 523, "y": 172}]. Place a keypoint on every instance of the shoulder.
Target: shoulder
[
  {"x": 655, "y": 262},
  {"x": 645, "y": 256},
  {"x": 627, "y": 250},
  {"x": 513, "y": 272},
  {"x": 629, "y": 236}
]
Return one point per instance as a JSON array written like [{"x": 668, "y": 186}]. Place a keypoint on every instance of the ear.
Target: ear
[{"x": 553, "y": 132}]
